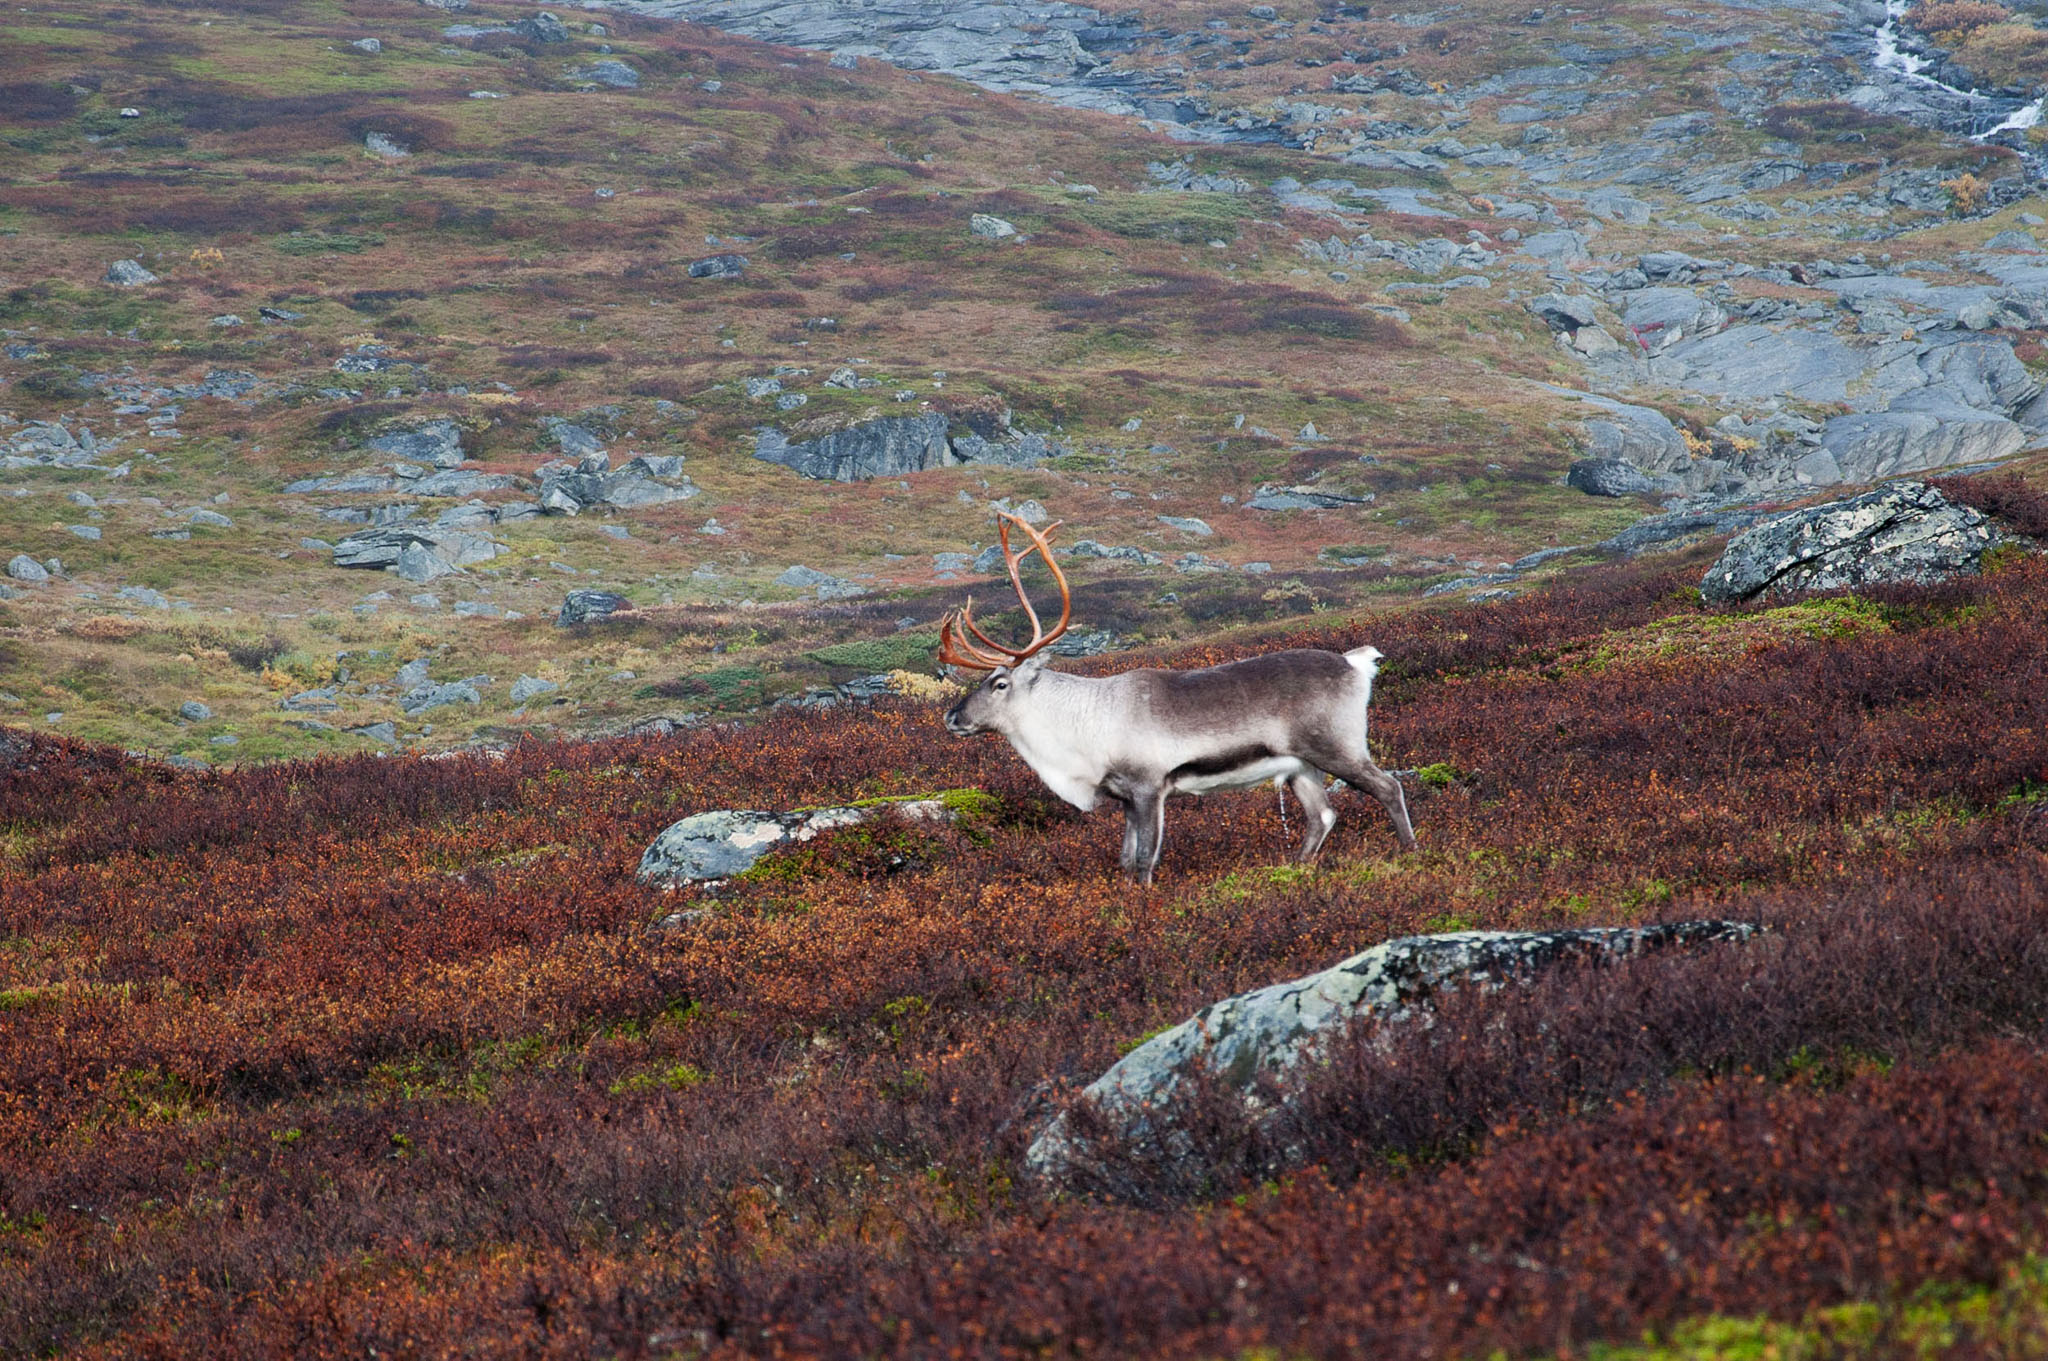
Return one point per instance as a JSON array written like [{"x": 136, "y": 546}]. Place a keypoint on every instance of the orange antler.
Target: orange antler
[{"x": 984, "y": 653}]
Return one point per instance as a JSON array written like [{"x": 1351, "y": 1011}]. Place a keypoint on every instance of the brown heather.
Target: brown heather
[{"x": 322, "y": 1058}]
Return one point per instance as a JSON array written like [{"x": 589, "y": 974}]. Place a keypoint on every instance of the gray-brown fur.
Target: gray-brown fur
[{"x": 1139, "y": 737}]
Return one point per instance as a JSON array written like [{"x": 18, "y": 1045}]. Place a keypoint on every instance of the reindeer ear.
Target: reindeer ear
[{"x": 1030, "y": 666}]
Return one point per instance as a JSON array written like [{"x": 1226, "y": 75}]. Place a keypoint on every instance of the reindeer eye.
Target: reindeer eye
[{"x": 1001, "y": 685}]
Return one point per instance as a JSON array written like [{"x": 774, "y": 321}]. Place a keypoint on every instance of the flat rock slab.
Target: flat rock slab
[
  {"x": 1902, "y": 532},
  {"x": 1271, "y": 1030},
  {"x": 725, "y": 842}
]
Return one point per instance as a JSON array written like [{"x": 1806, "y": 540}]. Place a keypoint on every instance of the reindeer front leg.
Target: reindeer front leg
[
  {"x": 1145, "y": 829},
  {"x": 1129, "y": 858}
]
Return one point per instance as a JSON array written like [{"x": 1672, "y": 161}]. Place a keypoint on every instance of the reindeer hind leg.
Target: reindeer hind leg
[
  {"x": 1315, "y": 806},
  {"x": 1384, "y": 787}
]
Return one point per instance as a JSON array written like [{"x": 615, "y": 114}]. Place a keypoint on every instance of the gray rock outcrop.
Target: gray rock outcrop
[
  {"x": 592, "y": 482},
  {"x": 1270, "y": 1031},
  {"x": 726, "y": 266},
  {"x": 827, "y": 586},
  {"x": 438, "y": 444},
  {"x": 422, "y": 698},
  {"x": 720, "y": 844},
  {"x": 1901, "y": 532},
  {"x": 1304, "y": 498},
  {"x": 889, "y": 446},
  {"x": 589, "y": 607},
  {"x": 892, "y": 446},
  {"x": 1609, "y": 477},
  {"x": 418, "y": 553},
  {"x": 129, "y": 274},
  {"x": 542, "y": 27}
]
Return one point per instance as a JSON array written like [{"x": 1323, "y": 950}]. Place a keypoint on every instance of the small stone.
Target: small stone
[
  {"x": 22, "y": 567},
  {"x": 370, "y": 45},
  {"x": 129, "y": 274},
  {"x": 383, "y": 144},
  {"x": 192, "y": 711},
  {"x": 616, "y": 74},
  {"x": 526, "y": 687},
  {"x": 590, "y": 607},
  {"x": 718, "y": 267},
  {"x": 1187, "y": 524},
  {"x": 212, "y": 518},
  {"x": 90, "y": 533},
  {"x": 543, "y": 27},
  {"x": 991, "y": 227}
]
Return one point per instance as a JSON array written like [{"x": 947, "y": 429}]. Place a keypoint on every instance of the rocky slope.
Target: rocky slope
[{"x": 1279, "y": 311}]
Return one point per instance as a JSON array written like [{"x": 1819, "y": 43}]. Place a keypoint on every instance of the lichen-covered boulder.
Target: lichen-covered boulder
[
  {"x": 1270, "y": 1030},
  {"x": 727, "y": 841},
  {"x": 1902, "y": 532}
]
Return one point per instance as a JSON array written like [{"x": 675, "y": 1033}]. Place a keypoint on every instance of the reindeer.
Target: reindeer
[{"x": 1135, "y": 738}]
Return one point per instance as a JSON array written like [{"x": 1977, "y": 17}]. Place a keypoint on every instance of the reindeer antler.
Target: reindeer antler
[{"x": 985, "y": 653}]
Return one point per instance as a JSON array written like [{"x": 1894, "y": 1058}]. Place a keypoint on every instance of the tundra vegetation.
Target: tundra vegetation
[{"x": 313, "y": 1058}]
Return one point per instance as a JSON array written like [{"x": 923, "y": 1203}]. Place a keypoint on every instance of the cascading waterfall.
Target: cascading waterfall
[
  {"x": 1898, "y": 60},
  {"x": 2019, "y": 120}
]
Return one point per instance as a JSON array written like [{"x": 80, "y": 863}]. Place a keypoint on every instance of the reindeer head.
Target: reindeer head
[{"x": 1013, "y": 672}]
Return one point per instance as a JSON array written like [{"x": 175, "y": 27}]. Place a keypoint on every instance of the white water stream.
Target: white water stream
[{"x": 1912, "y": 66}]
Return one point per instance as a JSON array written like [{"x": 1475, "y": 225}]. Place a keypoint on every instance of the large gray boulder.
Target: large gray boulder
[
  {"x": 1565, "y": 312},
  {"x": 889, "y": 446},
  {"x": 22, "y": 567},
  {"x": 1609, "y": 477},
  {"x": 542, "y": 27},
  {"x": 438, "y": 444},
  {"x": 1270, "y": 1031},
  {"x": 720, "y": 844},
  {"x": 589, "y": 607},
  {"x": 388, "y": 546},
  {"x": 1902, "y": 532}
]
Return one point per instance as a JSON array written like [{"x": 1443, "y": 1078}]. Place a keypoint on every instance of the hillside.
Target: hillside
[
  {"x": 443, "y": 443},
  {"x": 1350, "y": 345}
]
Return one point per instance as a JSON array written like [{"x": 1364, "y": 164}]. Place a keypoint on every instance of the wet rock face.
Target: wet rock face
[
  {"x": 1270, "y": 1030},
  {"x": 1903, "y": 532}
]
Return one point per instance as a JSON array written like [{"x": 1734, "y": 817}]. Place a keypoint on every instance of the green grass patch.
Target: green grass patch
[
  {"x": 326, "y": 243},
  {"x": 899, "y": 652},
  {"x": 676, "y": 1077},
  {"x": 2008, "y": 1319},
  {"x": 1188, "y": 218}
]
